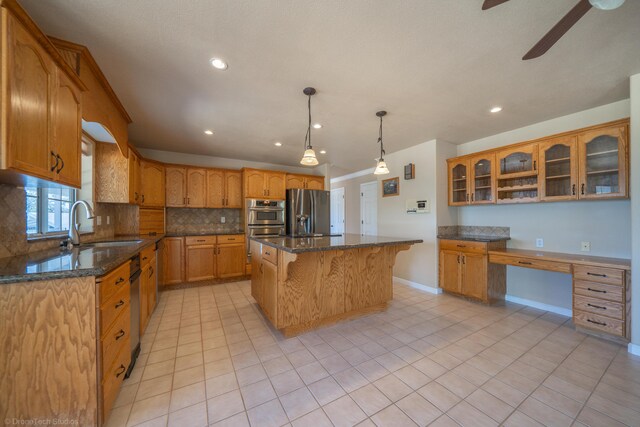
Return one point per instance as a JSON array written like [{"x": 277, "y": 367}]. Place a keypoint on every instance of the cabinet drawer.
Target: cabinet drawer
[
  {"x": 270, "y": 254},
  {"x": 464, "y": 246},
  {"x": 113, "y": 307},
  {"x": 115, "y": 339},
  {"x": 200, "y": 240},
  {"x": 114, "y": 281},
  {"x": 538, "y": 264},
  {"x": 598, "y": 290},
  {"x": 113, "y": 378},
  {"x": 598, "y": 306},
  {"x": 611, "y": 276},
  {"x": 231, "y": 238},
  {"x": 146, "y": 255},
  {"x": 600, "y": 323}
]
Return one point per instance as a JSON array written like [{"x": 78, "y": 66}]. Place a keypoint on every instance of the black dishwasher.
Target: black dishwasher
[{"x": 134, "y": 303}]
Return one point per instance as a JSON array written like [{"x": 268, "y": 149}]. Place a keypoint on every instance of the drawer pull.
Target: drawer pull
[
  {"x": 597, "y": 323},
  {"x": 144, "y": 258},
  {"x": 596, "y": 306},
  {"x": 121, "y": 370},
  {"x": 461, "y": 246},
  {"x": 596, "y": 290},
  {"x": 525, "y": 262},
  {"x": 119, "y": 303},
  {"x": 120, "y": 280},
  {"x": 596, "y": 274},
  {"x": 200, "y": 240},
  {"x": 267, "y": 253},
  {"x": 231, "y": 238},
  {"x": 119, "y": 334}
]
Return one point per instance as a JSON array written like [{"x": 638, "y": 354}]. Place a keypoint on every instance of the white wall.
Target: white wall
[
  {"x": 221, "y": 162},
  {"x": 562, "y": 225},
  {"x": 635, "y": 213}
]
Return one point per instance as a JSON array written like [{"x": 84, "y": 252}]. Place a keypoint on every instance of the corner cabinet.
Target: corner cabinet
[{"x": 604, "y": 160}]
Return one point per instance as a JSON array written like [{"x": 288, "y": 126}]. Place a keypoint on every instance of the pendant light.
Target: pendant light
[
  {"x": 309, "y": 157},
  {"x": 381, "y": 167}
]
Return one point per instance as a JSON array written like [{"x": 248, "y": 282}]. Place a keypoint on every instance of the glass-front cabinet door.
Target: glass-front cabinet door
[
  {"x": 558, "y": 169},
  {"x": 483, "y": 188},
  {"x": 603, "y": 160},
  {"x": 458, "y": 181},
  {"x": 518, "y": 174}
]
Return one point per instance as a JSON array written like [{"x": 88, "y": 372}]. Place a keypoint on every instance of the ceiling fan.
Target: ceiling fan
[{"x": 567, "y": 21}]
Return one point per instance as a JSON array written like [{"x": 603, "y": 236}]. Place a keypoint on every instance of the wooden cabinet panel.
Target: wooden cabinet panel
[
  {"x": 254, "y": 184},
  {"x": 153, "y": 182},
  {"x": 230, "y": 260},
  {"x": 215, "y": 188},
  {"x": 230, "y": 238},
  {"x": 173, "y": 260},
  {"x": 111, "y": 174},
  {"x": 144, "y": 297},
  {"x": 450, "y": 271},
  {"x": 609, "y": 276},
  {"x": 458, "y": 177},
  {"x": 176, "y": 186},
  {"x": 135, "y": 177},
  {"x": 275, "y": 185},
  {"x": 196, "y": 188},
  {"x": 315, "y": 183},
  {"x": 603, "y": 161},
  {"x": 31, "y": 77},
  {"x": 256, "y": 272},
  {"x": 599, "y": 323},
  {"x": 199, "y": 240},
  {"x": 113, "y": 379},
  {"x": 463, "y": 246},
  {"x": 200, "y": 262},
  {"x": 152, "y": 295},
  {"x": 295, "y": 181},
  {"x": 67, "y": 132},
  {"x": 558, "y": 175},
  {"x": 598, "y": 290},
  {"x": 270, "y": 289},
  {"x": 151, "y": 221},
  {"x": 474, "y": 276},
  {"x": 233, "y": 188}
]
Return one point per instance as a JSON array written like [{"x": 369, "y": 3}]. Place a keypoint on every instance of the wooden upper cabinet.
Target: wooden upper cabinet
[
  {"x": 315, "y": 183},
  {"x": 603, "y": 163},
  {"x": 254, "y": 184},
  {"x": 304, "y": 181},
  {"x": 153, "y": 182},
  {"x": 458, "y": 181},
  {"x": 135, "y": 178},
  {"x": 518, "y": 161},
  {"x": 176, "y": 186},
  {"x": 558, "y": 169},
  {"x": 233, "y": 189},
  {"x": 215, "y": 188},
  {"x": 196, "y": 188},
  {"x": 295, "y": 181},
  {"x": 275, "y": 185},
  {"x": 67, "y": 132},
  {"x": 482, "y": 179}
]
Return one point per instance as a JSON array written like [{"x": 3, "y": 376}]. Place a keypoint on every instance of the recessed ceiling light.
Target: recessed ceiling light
[
  {"x": 219, "y": 64},
  {"x": 208, "y": 132},
  {"x": 278, "y": 144},
  {"x": 317, "y": 125},
  {"x": 496, "y": 109},
  {"x": 323, "y": 151}
]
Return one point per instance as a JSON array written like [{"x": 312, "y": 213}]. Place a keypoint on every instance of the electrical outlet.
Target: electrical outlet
[
  {"x": 108, "y": 220},
  {"x": 585, "y": 247},
  {"x": 539, "y": 243},
  {"x": 98, "y": 220},
  {"x": 222, "y": 220}
]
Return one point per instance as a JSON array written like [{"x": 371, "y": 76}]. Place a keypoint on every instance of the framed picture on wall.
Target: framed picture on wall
[{"x": 391, "y": 187}]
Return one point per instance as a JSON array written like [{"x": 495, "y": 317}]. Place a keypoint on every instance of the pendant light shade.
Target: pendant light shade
[
  {"x": 309, "y": 157},
  {"x": 381, "y": 167}
]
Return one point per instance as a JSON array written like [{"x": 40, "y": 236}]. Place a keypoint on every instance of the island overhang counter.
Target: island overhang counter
[{"x": 301, "y": 283}]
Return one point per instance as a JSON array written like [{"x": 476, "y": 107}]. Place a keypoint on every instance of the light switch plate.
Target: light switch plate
[
  {"x": 222, "y": 220},
  {"x": 539, "y": 243},
  {"x": 585, "y": 247},
  {"x": 108, "y": 220},
  {"x": 98, "y": 220}
]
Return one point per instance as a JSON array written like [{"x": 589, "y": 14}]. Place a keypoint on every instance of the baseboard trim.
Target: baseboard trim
[
  {"x": 634, "y": 349},
  {"x": 430, "y": 289},
  {"x": 539, "y": 305}
]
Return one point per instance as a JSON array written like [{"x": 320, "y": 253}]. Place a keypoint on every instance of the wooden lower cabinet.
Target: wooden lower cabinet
[
  {"x": 148, "y": 282},
  {"x": 230, "y": 260},
  {"x": 200, "y": 262},
  {"x": 270, "y": 289},
  {"x": 173, "y": 260},
  {"x": 467, "y": 272},
  {"x": 204, "y": 258}
]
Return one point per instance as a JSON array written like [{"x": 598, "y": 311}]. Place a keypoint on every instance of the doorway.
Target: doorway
[
  {"x": 369, "y": 208},
  {"x": 337, "y": 211}
]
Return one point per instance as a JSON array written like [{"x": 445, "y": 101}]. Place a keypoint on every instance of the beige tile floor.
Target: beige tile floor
[{"x": 209, "y": 358}]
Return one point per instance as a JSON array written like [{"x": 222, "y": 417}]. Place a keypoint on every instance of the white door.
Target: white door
[
  {"x": 337, "y": 211},
  {"x": 369, "y": 208}
]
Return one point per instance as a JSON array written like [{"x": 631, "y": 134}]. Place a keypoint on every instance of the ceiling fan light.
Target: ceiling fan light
[
  {"x": 381, "y": 168},
  {"x": 606, "y": 4},
  {"x": 309, "y": 158}
]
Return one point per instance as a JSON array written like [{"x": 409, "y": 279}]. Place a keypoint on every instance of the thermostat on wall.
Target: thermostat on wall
[{"x": 417, "y": 206}]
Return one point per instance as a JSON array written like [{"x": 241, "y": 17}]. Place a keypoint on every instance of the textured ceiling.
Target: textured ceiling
[{"x": 436, "y": 66}]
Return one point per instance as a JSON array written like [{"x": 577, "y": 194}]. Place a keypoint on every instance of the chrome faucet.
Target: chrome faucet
[{"x": 74, "y": 236}]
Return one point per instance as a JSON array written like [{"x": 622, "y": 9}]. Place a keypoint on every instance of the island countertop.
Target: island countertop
[{"x": 298, "y": 245}]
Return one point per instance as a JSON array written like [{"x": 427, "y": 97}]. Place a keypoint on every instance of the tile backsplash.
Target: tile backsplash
[
  {"x": 198, "y": 221},
  {"x": 473, "y": 230}
]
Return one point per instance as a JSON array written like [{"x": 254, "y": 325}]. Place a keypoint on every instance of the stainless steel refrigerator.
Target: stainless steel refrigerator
[{"x": 308, "y": 212}]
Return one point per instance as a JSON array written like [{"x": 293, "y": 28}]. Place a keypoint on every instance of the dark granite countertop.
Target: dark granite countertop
[
  {"x": 207, "y": 233},
  {"x": 297, "y": 245},
  {"x": 83, "y": 260},
  {"x": 472, "y": 238}
]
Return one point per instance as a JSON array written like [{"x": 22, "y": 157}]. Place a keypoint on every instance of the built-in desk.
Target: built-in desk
[{"x": 601, "y": 287}]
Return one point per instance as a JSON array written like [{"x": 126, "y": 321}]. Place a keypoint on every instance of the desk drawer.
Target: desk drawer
[
  {"x": 598, "y": 290},
  {"x": 270, "y": 254},
  {"x": 115, "y": 339},
  {"x": 463, "y": 246},
  {"x": 538, "y": 264},
  {"x": 230, "y": 238},
  {"x": 611, "y": 276},
  {"x": 200, "y": 240},
  {"x": 598, "y": 306},
  {"x": 114, "y": 281},
  {"x": 113, "y": 307},
  {"x": 599, "y": 323}
]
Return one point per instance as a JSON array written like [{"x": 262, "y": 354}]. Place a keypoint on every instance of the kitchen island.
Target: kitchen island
[{"x": 302, "y": 283}]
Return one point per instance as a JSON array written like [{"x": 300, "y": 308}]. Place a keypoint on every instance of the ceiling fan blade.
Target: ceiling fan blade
[
  {"x": 559, "y": 30},
  {"x": 488, "y": 4}
]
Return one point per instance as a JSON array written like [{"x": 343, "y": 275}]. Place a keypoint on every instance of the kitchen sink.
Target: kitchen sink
[{"x": 110, "y": 244}]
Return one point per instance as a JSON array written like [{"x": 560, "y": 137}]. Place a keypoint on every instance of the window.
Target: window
[{"x": 48, "y": 209}]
